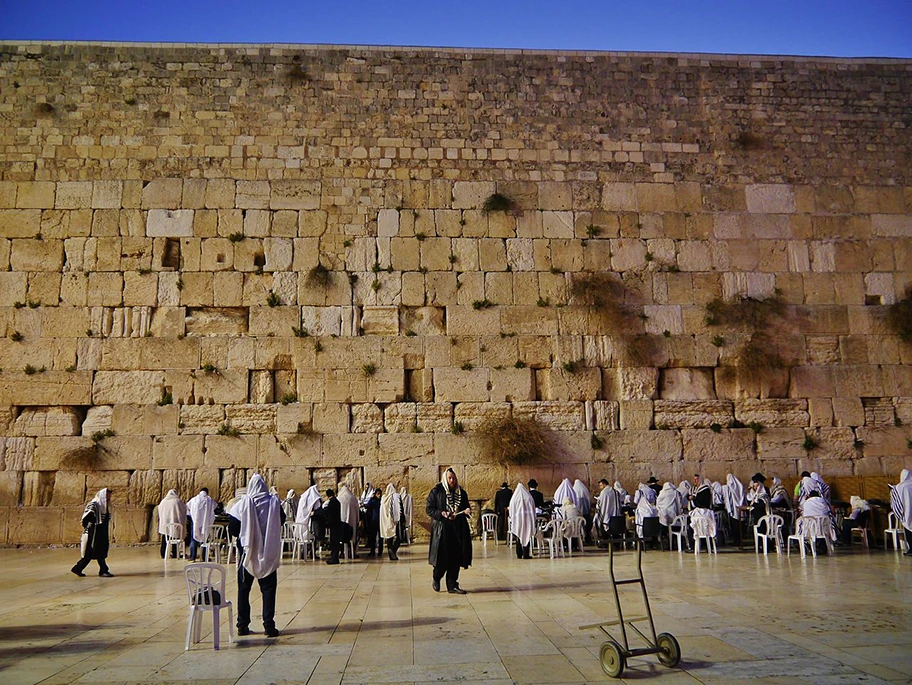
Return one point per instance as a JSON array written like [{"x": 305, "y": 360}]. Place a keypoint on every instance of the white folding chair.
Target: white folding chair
[
  {"x": 215, "y": 539},
  {"x": 897, "y": 533},
  {"x": 573, "y": 529},
  {"x": 206, "y": 590},
  {"x": 488, "y": 527},
  {"x": 174, "y": 538},
  {"x": 807, "y": 530},
  {"x": 773, "y": 530},
  {"x": 303, "y": 540},
  {"x": 704, "y": 528},
  {"x": 678, "y": 531},
  {"x": 287, "y": 537},
  {"x": 550, "y": 533},
  {"x": 507, "y": 528},
  {"x": 231, "y": 551}
]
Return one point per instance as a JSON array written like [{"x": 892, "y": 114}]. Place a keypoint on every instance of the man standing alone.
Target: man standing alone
[
  {"x": 501, "y": 505},
  {"x": 451, "y": 541}
]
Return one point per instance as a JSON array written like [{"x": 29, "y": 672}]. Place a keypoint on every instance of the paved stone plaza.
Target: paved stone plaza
[{"x": 738, "y": 617}]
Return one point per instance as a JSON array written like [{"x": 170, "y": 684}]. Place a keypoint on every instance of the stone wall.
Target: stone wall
[{"x": 221, "y": 259}]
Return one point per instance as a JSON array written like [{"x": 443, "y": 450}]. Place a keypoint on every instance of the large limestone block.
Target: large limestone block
[
  {"x": 228, "y": 386},
  {"x": 208, "y": 321},
  {"x": 781, "y": 443},
  {"x": 630, "y": 382},
  {"x": 770, "y": 198},
  {"x": 296, "y": 417},
  {"x": 98, "y": 418},
  {"x": 17, "y": 454},
  {"x": 252, "y": 418},
  {"x": 407, "y": 448},
  {"x": 37, "y": 525},
  {"x": 37, "y": 255},
  {"x": 686, "y": 384},
  {"x": 367, "y": 418},
  {"x": 177, "y": 452},
  {"x": 605, "y": 416},
  {"x": 354, "y": 450},
  {"x": 692, "y": 414},
  {"x": 459, "y": 385},
  {"x": 706, "y": 445},
  {"x": 46, "y": 388},
  {"x": 537, "y": 321},
  {"x": 13, "y": 287},
  {"x": 35, "y": 195},
  {"x": 295, "y": 194},
  {"x": 274, "y": 321},
  {"x": 422, "y": 321},
  {"x": 386, "y": 385},
  {"x": 73, "y": 195},
  {"x": 473, "y": 415},
  {"x": 511, "y": 384},
  {"x": 331, "y": 417},
  {"x": 20, "y": 223},
  {"x": 773, "y": 412},
  {"x": 162, "y": 192},
  {"x": 619, "y": 197},
  {"x": 435, "y": 417},
  {"x": 462, "y": 320},
  {"x": 471, "y": 194},
  {"x": 69, "y": 488},
  {"x": 127, "y": 387},
  {"x": 377, "y": 320},
  {"x": 555, "y": 415},
  {"x": 224, "y": 451},
  {"x": 170, "y": 223},
  {"x": 400, "y": 417},
  {"x": 883, "y": 441},
  {"x": 643, "y": 446},
  {"x": 40, "y": 421},
  {"x": 557, "y": 225}
]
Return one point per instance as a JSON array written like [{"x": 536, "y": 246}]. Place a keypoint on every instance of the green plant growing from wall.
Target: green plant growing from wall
[
  {"x": 228, "y": 430},
  {"x": 759, "y": 322},
  {"x": 318, "y": 277},
  {"x": 810, "y": 443},
  {"x": 496, "y": 202},
  {"x": 272, "y": 299}
]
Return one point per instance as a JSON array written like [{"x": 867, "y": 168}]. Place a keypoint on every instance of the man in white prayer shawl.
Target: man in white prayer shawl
[
  {"x": 309, "y": 502},
  {"x": 350, "y": 513},
  {"x": 257, "y": 520},
  {"x": 522, "y": 520},
  {"x": 901, "y": 503},
  {"x": 564, "y": 492},
  {"x": 668, "y": 504},
  {"x": 607, "y": 505},
  {"x": 584, "y": 502},
  {"x": 407, "y": 514},
  {"x": 645, "y": 506},
  {"x": 202, "y": 515},
  {"x": 822, "y": 486},
  {"x": 290, "y": 505},
  {"x": 171, "y": 510},
  {"x": 733, "y": 495},
  {"x": 390, "y": 516}
]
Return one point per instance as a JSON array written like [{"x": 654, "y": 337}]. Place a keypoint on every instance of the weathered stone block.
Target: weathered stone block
[
  {"x": 128, "y": 387},
  {"x": 773, "y": 412},
  {"x": 295, "y": 194},
  {"x": 692, "y": 414},
  {"x": 224, "y": 451},
  {"x": 367, "y": 418},
  {"x": 41, "y": 421},
  {"x": 177, "y": 451},
  {"x": 556, "y": 414},
  {"x": 458, "y": 385},
  {"x": 46, "y": 388}
]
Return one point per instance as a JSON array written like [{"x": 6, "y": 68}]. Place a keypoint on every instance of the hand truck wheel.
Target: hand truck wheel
[
  {"x": 612, "y": 659},
  {"x": 671, "y": 651}
]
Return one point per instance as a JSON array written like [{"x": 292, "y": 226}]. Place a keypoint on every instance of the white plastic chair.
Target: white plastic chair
[
  {"x": 287, "y": 538},
  {"x": 554, "y": 541},
  {"x": 704, "y": 529},
  {"x": 897, "y": 532},
  {"x": 214, "y": 541},
  {"x": 509, "y": 536},
  {"x": 573, "y": 529},
  {"x": 206, "y": 590},
  {"x": 231, "y": 552},
  {"x": 303, "y": 539},
  {"x": 174, "y": 537},
  {"x": 488, "y": 526},
  {"x": 773, "y": 523},
  {"x": 807, "y": 530},
  {"x": 678, "y": 531},
  {"x": 865, "y": 532}
]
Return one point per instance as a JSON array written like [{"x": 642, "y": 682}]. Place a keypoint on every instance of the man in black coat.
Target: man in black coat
[
  {"x": 501, "y": 505},
  {"x": 372, "y": 522},
  {"x": 537, "y": 497},
  {"x": 451, "y": 541},
  {"x": 332, "y": 514}
]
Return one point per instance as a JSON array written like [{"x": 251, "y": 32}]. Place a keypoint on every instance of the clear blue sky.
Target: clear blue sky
[{"x": 843, "y": 28}]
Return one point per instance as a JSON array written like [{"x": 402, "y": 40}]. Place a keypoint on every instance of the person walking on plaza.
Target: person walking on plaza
[
  {"x": 372, "y": 523},
  {"x": 256, "y": 520},
  {"x": 390, "y": 518},
  {"x": 170, "y": 510},
  {"x": 202, "y": 515},
  {"x": 451, "y": 541},
  {"x": 96, "y": 521},
  {"x": 901, "y": 502}
]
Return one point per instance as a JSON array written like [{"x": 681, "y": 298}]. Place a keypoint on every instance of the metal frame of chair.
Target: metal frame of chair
[
  {"x": 203, "y": 579},
  {"x": 897, "y": 532},
  {"x": 774, "y": 524},
  {"x": 174, "y": 537},
  {"x": 866, "y": 531},
  {"x": 488, "y": 525}
]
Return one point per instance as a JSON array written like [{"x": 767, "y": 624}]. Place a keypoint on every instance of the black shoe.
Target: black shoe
[
  {"x": 457, "y": 591},
  {"x": 105, "y": 574},
  {"x": 77, "y": 572},
  {"x": 271, "y": 632},
  {"x": 332, "y": 561},
  {"x": 908, "y": 554},
  {"x": 393, "y": 556},
  {"x": 436, "y": 586},
  {"x": 371, "y": 554},
  {"x": 243, "y": 631}
]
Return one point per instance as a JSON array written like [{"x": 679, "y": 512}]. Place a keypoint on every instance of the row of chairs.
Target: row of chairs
[{"x": 216, "y": 541}]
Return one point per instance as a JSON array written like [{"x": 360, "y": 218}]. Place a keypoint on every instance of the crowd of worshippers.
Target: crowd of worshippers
[
  {"x": 729, "y": 511},
  {"x": 326, "y": 521}
]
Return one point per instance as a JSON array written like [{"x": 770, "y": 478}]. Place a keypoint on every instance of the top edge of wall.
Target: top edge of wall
[{"x": 464, "y": 51}]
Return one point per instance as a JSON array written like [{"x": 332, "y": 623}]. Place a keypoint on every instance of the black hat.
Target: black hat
[
  {"x": 533, "y": 483},
  {"x": 758, "y": 478},
  {"x": 504, "y": 485},
  {"x": 652, "y": 479}
]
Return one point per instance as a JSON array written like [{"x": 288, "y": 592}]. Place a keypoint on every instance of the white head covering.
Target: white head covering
[
  {"x": 522, "y": 515},
  {"x": 644, "y": 492},
  {"x": 686, "y": 488},
  {"x": 901, "y": 499},
  {"x": 859, "y": 503},
  {"x": 733, "y": 494},
  {"x": 309, "y": 501},
  {"x": 668, "y": 504},
  {"x": 171, "y": 510},
  {"x": 202, "y": 511},
  {"x": 565, "y": 491},
  {"x": 260, "y": 515},
  {"x": 645, "y": 508},
  {"x": 822, "y": 486},
  {"x": 97, "y": 505},
  {"x": 583, "y": 497},
  {"x": 390, "y": 512},
  {"x": 367, "y": 494},
  {"x": 607, "y": 505},
  {"x": 619, "y": 489},
  {"x": 406, "y": 506},
  {"x": 718, "y": 494},
  {"x": 349, "y": 506}
]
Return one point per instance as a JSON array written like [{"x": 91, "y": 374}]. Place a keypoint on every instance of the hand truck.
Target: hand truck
[{"x": 613, "y": 654}]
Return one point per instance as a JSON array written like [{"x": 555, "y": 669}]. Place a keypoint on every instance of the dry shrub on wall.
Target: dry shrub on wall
[
  {"x": 606, "y": 296},
  {"x": 82, "y": 459},
  {"x": 640, "y": 350},
  {"x": 515, "y": 441},
  {"x": 762, "y": 321},
  {"x": 899, "y": 317}
]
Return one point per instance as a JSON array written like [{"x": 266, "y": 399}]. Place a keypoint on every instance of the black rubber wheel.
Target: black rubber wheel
[
  {"x": 671, "y": 651},
  {"x": 612, "y": 659}
]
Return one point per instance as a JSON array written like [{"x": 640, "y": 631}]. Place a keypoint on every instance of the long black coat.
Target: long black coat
[
  {"x": 451, "y": 541},
  {"x": 97, "y": 527}
]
